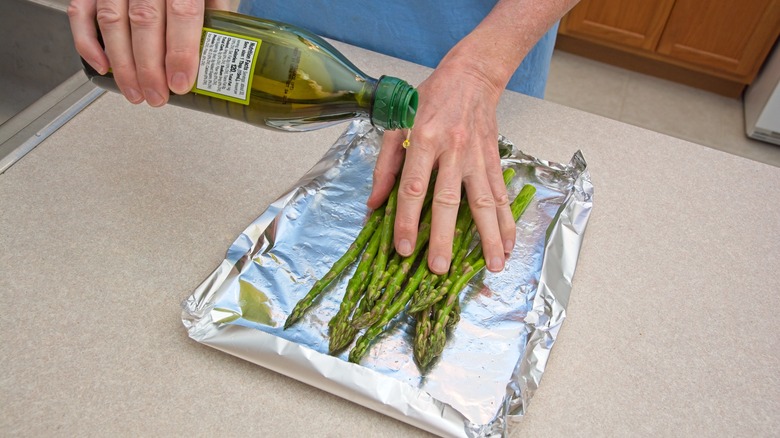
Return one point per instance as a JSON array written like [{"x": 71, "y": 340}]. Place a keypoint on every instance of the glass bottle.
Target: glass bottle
[{"x": 282, "y": 77}]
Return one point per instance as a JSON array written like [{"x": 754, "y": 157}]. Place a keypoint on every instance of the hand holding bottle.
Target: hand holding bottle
[{"x": 151, "y": 46}]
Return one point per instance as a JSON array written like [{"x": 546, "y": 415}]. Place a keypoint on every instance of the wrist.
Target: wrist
[{"x": 469, "y": 59}]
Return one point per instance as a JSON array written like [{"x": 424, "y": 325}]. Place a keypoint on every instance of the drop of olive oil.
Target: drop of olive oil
[{"x": 406, "y": 143}]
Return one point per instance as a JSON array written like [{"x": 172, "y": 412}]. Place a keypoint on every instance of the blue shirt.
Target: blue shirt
[{"x": 420, "y": 31}]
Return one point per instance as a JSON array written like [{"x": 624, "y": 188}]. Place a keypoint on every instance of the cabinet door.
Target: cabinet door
[
  {"x": 727, "y": 35},
  {"x": 632, "y": 23}
]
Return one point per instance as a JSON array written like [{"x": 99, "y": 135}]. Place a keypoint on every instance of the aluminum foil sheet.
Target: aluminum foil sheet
[{"x": 495, "y": 357}]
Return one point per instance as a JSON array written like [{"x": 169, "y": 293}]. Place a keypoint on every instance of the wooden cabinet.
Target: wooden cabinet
[
  {"x": 732, "y": 36},
  {"x": 717, "y": 45},
  {"x": 629, "y": 23}
]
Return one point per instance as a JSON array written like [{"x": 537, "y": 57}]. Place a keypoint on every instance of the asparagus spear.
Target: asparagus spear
[
  {"x": 385, "y": 244},
  {"x": 365, "y": 305},
  {"x": 394, "y": 286},
  {"x": 364, "y": 341},
  {"x": 473, "y": 264},
  {"x": 405, "y": 263},
  {"x": 423, "y": 328},
  {"x": 454, "y": 315},
  {"x": 392, "y": 266},
  {"x": 422, "y": 332},
  {"x": 341, "y": 333},
  {"x": 352, "y": 253}
]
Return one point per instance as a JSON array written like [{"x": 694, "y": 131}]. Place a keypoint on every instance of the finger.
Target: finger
[
  {"x": 147, "y": 27},
  {"x": 506, "y": 223},
  {"x": 184, "y": 24},
  {"x": 388, "y": 165},
  {"x": 81, "y": 14},
  {"x": 411, "y": 193},
  {"x": 445, "y": 203},
  {"x": 483, "y": 209},
  {"x": 115, "y": 29}
]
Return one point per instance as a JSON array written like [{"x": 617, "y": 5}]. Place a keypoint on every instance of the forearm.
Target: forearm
[{"x": 497, "y": 46}]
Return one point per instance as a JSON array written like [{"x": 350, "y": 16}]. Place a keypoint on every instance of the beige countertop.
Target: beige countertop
[{"x": 109, "y": 224}]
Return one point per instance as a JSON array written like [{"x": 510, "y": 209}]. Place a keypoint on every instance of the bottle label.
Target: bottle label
[{"x": 227, "y": 61}]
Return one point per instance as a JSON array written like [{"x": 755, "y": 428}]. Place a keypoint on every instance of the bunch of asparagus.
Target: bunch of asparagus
[{"x": 385, "y": 284}]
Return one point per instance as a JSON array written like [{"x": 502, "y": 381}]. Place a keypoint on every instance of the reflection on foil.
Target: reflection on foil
[{"x": 496, "y": 355}]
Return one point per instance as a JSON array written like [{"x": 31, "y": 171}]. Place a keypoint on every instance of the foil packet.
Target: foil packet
[{"x": 496, "y": 355}]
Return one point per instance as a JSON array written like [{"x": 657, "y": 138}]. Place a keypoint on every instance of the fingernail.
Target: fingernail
[
  {"x": 179, "y": 83},
  {"x": 508, "y": 245},
  {"x": 439, "y": 265},
  {"x": 153, "y": 97},
  {"x": 496, "y": 264},
  {"x": 133, "y": 95},
  {"x": 100, "y": 68},
  {"x": 404, "y": 247}
]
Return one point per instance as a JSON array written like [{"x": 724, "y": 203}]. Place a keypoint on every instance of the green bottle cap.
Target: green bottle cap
[{"x": 395, "y": 104}]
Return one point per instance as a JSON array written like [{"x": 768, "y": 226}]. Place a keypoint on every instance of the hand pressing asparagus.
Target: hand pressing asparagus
[{"x": 385, "y": 284}]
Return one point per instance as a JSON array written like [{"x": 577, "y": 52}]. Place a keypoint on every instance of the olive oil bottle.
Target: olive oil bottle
[{"x": 282, "y": 77}]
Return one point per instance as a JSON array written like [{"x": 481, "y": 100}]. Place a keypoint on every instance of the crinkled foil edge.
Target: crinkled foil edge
[
  {"x": 370, "y": 388},
  {"x": 561, "y": 252}
]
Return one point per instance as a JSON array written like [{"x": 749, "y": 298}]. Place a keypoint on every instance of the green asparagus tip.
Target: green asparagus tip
[
  {"x": 289, "y": 322},
  {"x": 435, "y": 347},
  {"x": 357, "y": 353},
  {"x": 340, "y": 338},
  {"x": 366, "y": 319}
]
